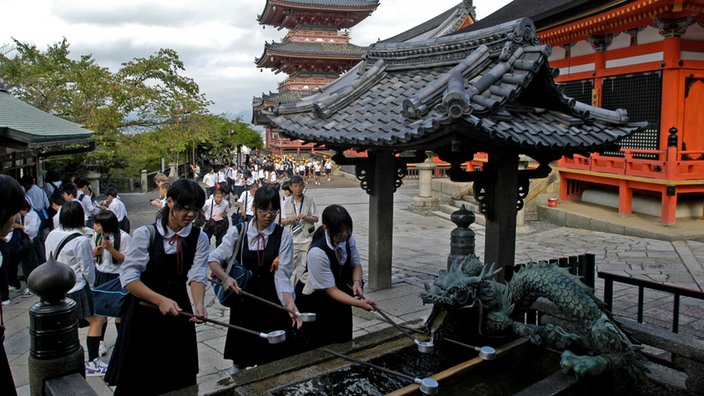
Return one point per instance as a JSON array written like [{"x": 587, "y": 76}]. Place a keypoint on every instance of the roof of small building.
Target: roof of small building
[
  {"x": 485, "y": 90},
  {"x": 277, "y": 12},
  {"x": 446, "y": 23},
  {"x": 27, "y": 125}
]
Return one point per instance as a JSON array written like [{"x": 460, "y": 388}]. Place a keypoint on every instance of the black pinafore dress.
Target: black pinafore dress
[
  {"x": 246, "y": 349},
  {"x": 157, "y": 353},
  {"x": 333, "y": 322}
]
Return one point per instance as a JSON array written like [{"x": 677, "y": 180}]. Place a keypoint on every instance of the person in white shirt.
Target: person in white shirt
[
  {"x": 115, "y": 205},
  {"x": 316, "y": 169},
  {"x": 69, "y": 194},
  {"x": 299, "y": 216},
  {"x": 69, "y": 246},
  {"x": 215, "y": 210},
  {"x": 328, "y": 168},
  {"x": 209, "y": 180},
  {"x": 30, "y": 224},
  {"x": 245, "y": 205},
  {"x": 85, "y": 197}
]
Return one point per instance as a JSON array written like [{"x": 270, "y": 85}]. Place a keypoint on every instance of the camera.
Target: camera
[{"x": 296, "y": 228}]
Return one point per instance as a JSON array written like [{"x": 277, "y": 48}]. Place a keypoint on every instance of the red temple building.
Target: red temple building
[
  {"x": 314, "y": 52},
  {"x": 646, "y": 56}
]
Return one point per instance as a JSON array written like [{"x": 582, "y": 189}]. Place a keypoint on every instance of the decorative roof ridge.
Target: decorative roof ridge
[
  {"x": 418, "y": 105},
  {"x": 618, "y": 116},
  {"x": 447, "y": 50},
  {"x": 347, "y": 87},
  {"x": 340, "y": 99}
]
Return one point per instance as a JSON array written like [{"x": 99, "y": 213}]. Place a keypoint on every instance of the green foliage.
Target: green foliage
[{"x": 143, "y": 112}]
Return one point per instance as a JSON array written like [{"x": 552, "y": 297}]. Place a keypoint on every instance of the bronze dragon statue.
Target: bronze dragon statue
[{"x": 585, "y": 325}]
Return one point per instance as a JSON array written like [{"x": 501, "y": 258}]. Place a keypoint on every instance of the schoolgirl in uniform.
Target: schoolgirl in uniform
[
  {"x": 156, "y": 350},
  {"x": 332, "y": 279}
]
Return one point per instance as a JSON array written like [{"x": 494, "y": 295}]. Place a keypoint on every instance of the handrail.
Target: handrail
[{"x": 642, "y": 284}]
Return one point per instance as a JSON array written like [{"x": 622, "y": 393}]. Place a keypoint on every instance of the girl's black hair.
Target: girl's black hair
[
  {"x": 336, "y": 218},
  {"x": 72, "y": 215},
  {"x": 266, "y": 195},
  {"x": 27, "y": 206},
  {"x": 11, "y": 196},
  {"x": 108, "y": 220},
  {"x": 183, "y": 192}
]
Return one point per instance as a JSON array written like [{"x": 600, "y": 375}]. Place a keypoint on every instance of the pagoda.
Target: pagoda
[{"x": 314, "y": 52}]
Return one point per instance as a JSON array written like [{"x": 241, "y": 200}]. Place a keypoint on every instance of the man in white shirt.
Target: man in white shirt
[
  {"x": 245, "y": 205},
  {"x": 114, "y": 204},
  {"x": 299, "y": 217},
  {"x": 209, "y": 180}
]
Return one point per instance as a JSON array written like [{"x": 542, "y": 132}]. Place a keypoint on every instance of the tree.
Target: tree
[{"x": 146, "y": 94}]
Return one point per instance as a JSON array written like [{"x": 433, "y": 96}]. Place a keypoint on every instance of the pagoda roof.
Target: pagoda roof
[
  {"x": 312, "y": 50},
  {"x": 278, "y": 12},
  {"x": 28, "y": 128},
  {"x": 490, "y": 90}
]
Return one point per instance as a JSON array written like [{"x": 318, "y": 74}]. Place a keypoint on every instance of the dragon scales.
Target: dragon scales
[{"x": 585, "y": 324}]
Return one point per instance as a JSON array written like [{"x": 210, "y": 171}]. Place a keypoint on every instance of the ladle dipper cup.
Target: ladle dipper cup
[
  {"x": 305, "y": 316},
  {"x": 428, "y": 386},
  {"x": 423, "y": 346},
  {"x": 274, "y": 337},
  {"x": 485, "y": 352}
]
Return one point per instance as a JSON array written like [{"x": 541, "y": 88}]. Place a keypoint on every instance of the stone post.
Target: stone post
[
  {"x": 54, "y": 350},
  {"x": 424, "y": 203},
  {"x": 462, "y": 241},
  {"x": 143, "y": 180},
  {"x": 94, "y": 179},
  {"x": 173, "y": 171},
  {"x": 521, "y": 216}
]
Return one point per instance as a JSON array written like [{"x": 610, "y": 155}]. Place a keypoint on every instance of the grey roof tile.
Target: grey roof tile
[{"x": 398, "y": 99}]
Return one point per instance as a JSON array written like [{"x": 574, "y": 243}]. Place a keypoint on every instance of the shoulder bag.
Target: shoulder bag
[{"x": 234, "y": 269}]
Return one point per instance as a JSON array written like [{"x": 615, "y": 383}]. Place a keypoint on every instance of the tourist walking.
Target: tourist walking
[
  {"x": 299, "y": 218},
  {"x": 215, "y": 211},
  {"x": 332, "y": 281},
  {"x": 267, "y": 253},
  {"x": 156, "y": 350}
]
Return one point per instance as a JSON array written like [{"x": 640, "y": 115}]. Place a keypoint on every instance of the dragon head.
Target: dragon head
[{"x": 460, "y": 285}]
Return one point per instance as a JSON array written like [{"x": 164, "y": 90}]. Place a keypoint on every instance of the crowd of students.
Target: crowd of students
[{"x": 290, "y": 262}]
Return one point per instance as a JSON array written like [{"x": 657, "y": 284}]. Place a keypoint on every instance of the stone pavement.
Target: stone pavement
[{"x": 420, "y": 248}]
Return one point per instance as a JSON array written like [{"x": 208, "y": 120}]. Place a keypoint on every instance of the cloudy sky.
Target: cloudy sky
[{"x": 217, "y": 40}]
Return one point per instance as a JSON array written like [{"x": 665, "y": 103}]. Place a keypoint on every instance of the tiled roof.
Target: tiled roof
[
  {"x": 35, "y": 128},
  {"x": 294, "y": 48},
  {"x": 349, "y": 12},
  {"x": 488, "y": 90},
  {"x": 333, "y": 3}
]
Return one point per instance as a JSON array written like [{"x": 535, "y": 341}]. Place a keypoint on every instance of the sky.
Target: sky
[{"x": 217, "y": 40}]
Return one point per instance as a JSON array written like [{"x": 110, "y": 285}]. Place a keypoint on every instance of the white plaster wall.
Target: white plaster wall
[
  {"x": 694, "y": 32},
  {"x": 649, "y": 35},
  {"x": 582, "y": 48},
  {"x": 621, "y": 40}
]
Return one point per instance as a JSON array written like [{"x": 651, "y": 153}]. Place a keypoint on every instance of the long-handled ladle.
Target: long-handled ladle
[
  {"x": 428, "y": 386},
  {"x": 485, "y": 352},
  {"x": 305, "y": 316},
  {"x": 423, "y": 346},
  {"x": 274, "y": 337}
]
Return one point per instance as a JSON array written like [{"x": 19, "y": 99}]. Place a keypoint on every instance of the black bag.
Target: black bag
[
  {"x": 108, "y": 298},
  {"x": 213, "y": 227},
  {"x": 235, "y": 270},
  {"x": 20, "y": 244},
  {"x": 199, "y": 220}
]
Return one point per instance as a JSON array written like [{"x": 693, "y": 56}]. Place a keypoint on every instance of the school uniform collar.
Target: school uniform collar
[
  {"x": 253, "y": 231},
  {"x": 168, "y": 232}
]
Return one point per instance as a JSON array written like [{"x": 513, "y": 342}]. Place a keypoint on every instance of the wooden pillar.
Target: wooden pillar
[
  {"x": 381, "y": 220},
  {"x": 500, "y": 238}
]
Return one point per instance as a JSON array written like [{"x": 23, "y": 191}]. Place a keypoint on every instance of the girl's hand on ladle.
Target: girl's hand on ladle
[
  {"x": 199, "y": 310},
  {"x": 295, "y": 320},
  {"x": 168, "y": 306},
  {"x": 369, "y": 305},
  {"x": 231, "y": 284}
]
